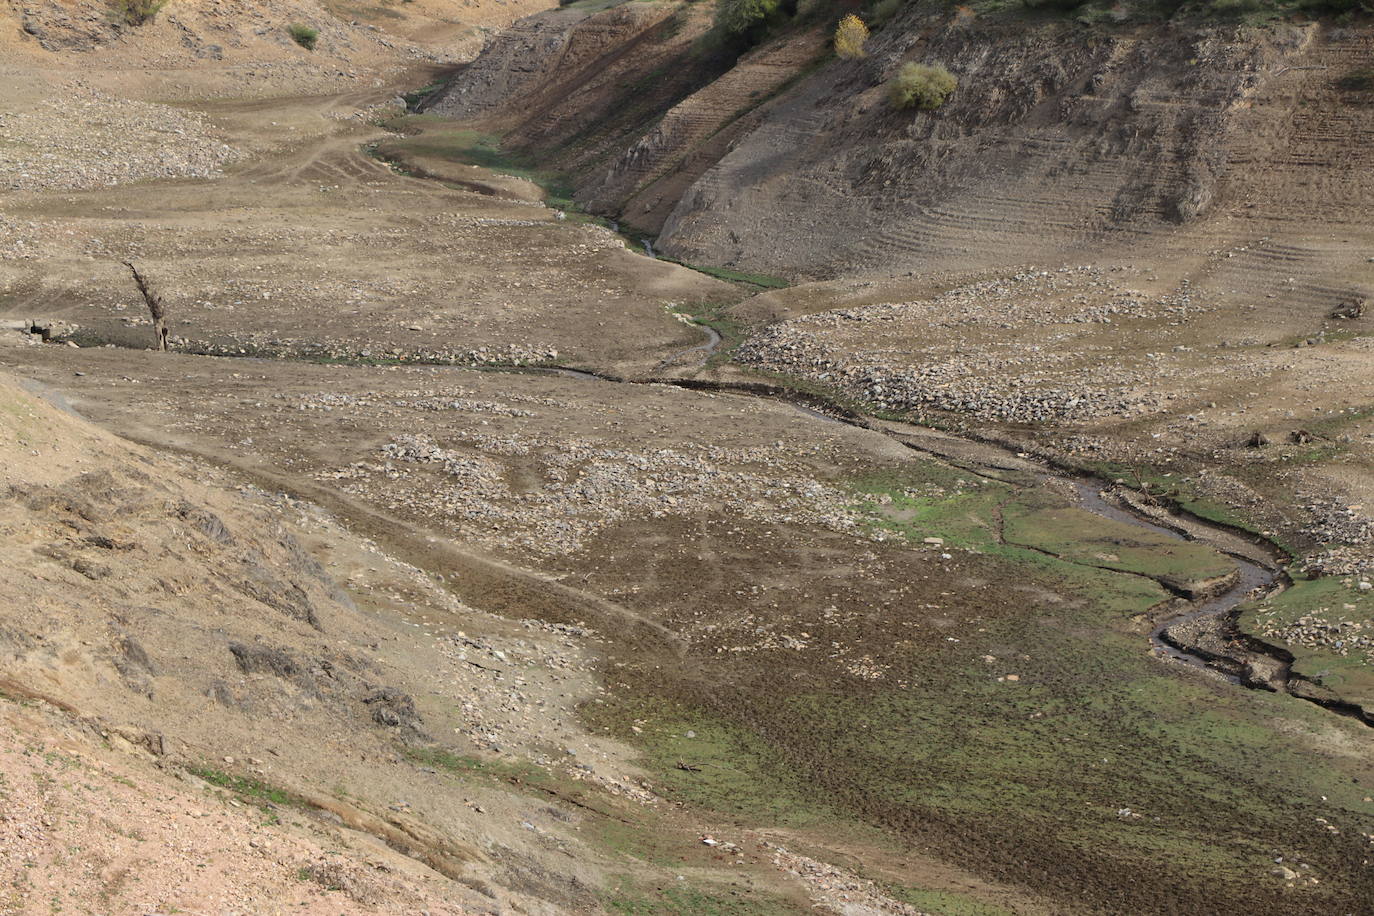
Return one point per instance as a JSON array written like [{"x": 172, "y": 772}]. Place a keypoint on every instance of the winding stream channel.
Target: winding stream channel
[{"x": 1243, "y": 661}]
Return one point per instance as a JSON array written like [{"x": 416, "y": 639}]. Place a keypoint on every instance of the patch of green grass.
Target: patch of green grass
[
  {"x": 303, "y": 35},
  {"x": 651, "y": 837},
  {"x": 932, "y": 499},
  {"x": 761, "y": 281},
  {"x": 248, "y": 787},
  {"x": 978, "y": 761},
  {"x": 417, "y": 97},
  {"x": 434, "y": 137},
  {"x": 446, "y": 760},
  {"x": 1081, "y": 537},
  {"x": 680, "y": 898},
  {"x": 729, "y": 770},
  {"x": 463, "y": 765},
  {"x": 647, "y": 845}
]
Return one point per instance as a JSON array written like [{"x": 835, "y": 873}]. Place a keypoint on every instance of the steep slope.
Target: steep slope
[
  {"x": 649, "y": 178},
  {"x": 1061, "y": 141},
  {"x": 1053, "y": 143},
  {"x": 574, "y": 87}
]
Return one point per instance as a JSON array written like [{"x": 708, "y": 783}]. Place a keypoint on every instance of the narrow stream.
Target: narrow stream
[
  {"x": 1252, "y": 578},
  {"x": 705, "y": 349},
  {"x": 1253, "y": 575}
]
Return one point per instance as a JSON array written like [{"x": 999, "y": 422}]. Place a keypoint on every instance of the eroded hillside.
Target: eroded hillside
[{"x": 1060, "y": 139}]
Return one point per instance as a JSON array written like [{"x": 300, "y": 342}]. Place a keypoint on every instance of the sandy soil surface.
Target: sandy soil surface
[{"x": 318, "y": 269}]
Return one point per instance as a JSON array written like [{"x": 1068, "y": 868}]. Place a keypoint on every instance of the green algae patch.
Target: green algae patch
[
  {"x": 710, "y": 761},
  {"x": 963, "y": 510},
  {"x": 429, "y": 142}
]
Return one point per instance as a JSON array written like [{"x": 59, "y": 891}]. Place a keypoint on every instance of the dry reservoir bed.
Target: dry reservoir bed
[{"x": 809, "y": 626}]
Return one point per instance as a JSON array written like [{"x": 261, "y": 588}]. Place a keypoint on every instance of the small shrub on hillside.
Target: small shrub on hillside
[
  {"x": 303, "y": 35},
  {"x": 136, "y": 12},
  {"x": 738, "y": 17},
  {"x": 923, "y": 86},
  {"x": 850, "y": 36},
  {"x": 1361, "y": 80},
  {"x": 884, "y": 10}
]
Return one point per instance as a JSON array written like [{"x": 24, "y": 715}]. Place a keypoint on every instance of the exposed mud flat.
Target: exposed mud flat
[{"x": 534, "y": 641}]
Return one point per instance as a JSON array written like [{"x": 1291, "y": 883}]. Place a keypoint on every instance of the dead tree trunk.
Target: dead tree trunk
[{"x": 155, "y": 306}]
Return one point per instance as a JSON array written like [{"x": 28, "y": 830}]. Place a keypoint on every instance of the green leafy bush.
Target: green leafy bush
[
  {"x": 303, "y": 35},
  {"x": 738, "y": 17},
  {"x": 924, "y": 86},
  {"x": 136, "y": 12}
]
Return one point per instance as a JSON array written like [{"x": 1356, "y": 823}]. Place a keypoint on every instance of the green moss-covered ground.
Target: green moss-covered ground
[{"x": 1009, "y": 714}]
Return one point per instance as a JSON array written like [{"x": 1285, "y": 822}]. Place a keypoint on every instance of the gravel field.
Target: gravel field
[{"x": 90, "y": 139}]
